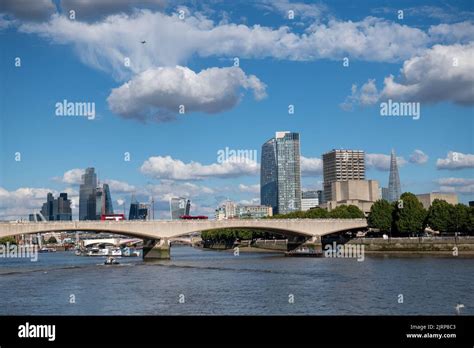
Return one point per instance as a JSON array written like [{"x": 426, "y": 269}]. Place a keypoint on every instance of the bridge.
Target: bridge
[{"x": 156, "y": 233}]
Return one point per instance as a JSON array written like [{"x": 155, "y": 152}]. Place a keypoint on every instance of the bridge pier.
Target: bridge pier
[
  {"x": 314, "y": 243},
  {"x": 156, "y": 249}
]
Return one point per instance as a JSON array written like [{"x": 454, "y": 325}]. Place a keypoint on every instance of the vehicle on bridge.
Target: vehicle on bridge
[
  {"x": 193, "y": 217},
  {"x": 114, "y": 217}
]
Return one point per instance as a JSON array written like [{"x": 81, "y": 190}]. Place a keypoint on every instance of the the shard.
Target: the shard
[{"x": 394, "y": 179}]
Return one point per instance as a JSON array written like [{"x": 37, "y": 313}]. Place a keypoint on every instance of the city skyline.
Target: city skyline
[{"x": 307, "y": 88}]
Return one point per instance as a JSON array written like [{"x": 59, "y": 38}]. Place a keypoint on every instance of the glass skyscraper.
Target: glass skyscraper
[
  {"x": 103, "y": 204},
  {"x": 138, "y": 211},
  {"x": 280, "y": 173},
  {"x": 179, "y": 206},
  {"x": 394, "y": 189},
  {"x": 268, "y": 175},
  {"x": 57, "y": 209},
  {"x": 87, "y": 193}
]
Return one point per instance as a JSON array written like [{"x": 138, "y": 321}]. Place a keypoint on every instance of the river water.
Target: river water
[{"x": 198, "y": 281}]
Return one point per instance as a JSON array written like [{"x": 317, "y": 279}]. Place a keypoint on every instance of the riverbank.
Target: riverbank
[{"x": 449, "y": 246}]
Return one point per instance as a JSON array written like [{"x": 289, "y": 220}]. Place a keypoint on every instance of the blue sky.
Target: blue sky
[{"x": 282, "y": 62}]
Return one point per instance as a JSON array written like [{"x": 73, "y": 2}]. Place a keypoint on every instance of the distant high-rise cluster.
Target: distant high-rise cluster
[
  {"x": 94, "y": 200},
  {"x": 280, "y": 173},
  {"x": 55, "y": 209}
]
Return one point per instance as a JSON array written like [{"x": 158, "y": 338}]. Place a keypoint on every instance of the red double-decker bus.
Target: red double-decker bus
[
  {"x": 114, "y": 217},
  {"x": 193, "y": 217}
]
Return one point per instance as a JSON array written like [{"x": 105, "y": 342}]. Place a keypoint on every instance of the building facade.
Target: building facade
[
  {"x": 342, "y": 165},
  {"x": 384, "y": 193},
  {"x": 320, "y": 196},
  {"x": 280, "y": 173},
  {"x": 253, "y": 211},
  {"x": 361, "y": 193},
  {"x": 427, "y": 198},
  {"x": 230, "y": 210},
  {"x": 87, "y": 199},
  {"x": 309, "y": 199},
  {"x": 179, "y": 206}
]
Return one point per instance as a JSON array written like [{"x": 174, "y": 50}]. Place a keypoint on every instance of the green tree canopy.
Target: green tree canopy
[
  {"x": 408, "y": 215},
  {"x": 231, "y": 234},
  {"x": 341, "y": 212},
  {"x": 470, "y": 221},
  {"x": 439, "y": 215},
  {"x": 52, "y": 240},
  {"x": 317, "y": 213},
  {"x": 346, "y": 212},
  {"x": 6, "y": 240},
  {"x": 459, "y": 218},
  {"x": 380, "y": 215}
]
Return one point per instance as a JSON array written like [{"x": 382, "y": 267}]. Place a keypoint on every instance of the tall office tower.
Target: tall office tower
[
  {"x": 64, "y": 211},
  {"x": 179, "y": 206},
  {"x": 268, "y": 176},
  {"x": 48, "y": 207},
  {"x": 342, "y": 165},
  {"x": 57, "y": 209},
  {"x": 139, "y": 211},
  {"x": 394, "y": 190},
  {"x": 103, "y": 201},
  {"x": 280, "y": 173},
  {"x": 87, "y": 200}
]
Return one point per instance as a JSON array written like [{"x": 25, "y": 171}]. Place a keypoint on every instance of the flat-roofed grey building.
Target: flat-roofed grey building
[{"x": 342, "y": 165}]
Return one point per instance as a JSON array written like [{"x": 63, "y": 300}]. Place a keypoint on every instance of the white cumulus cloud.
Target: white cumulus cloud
[
  {"x": 456, "y": 185},
  {"x": 441, "y": 73},
  {"x": 311, "y": 166},
  {"x": 159, "y": 93},
  {"x": 119, "y": 186},
  {"x": 170, "y": 40},
  {"x": 166, "y": 167},
  {"x": 72, "y": 176},
  {"x": 418, "y": 157},
  {"x": 381, "y": 161},
  {"x": 456, "y": 160},
  {"x": 27, "y": 9},
  {"x": 249, "y": 188}
]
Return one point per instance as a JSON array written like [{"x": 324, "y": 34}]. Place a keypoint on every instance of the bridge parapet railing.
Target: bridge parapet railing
[{"x": 174, "y": 221}]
